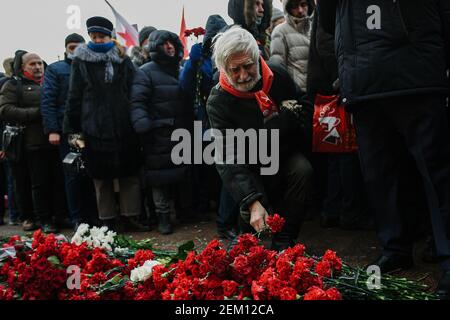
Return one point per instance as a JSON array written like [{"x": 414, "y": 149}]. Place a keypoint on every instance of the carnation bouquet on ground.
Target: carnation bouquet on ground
[{"x": 101, "y": 265}]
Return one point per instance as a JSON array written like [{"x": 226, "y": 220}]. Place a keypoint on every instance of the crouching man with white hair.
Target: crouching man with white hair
[{"x": 252, "y": 96}]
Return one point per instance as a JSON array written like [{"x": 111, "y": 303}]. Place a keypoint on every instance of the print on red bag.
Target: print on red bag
[
  {"x": 330, "y": 125},
  {"x": 333, "y": 128}
]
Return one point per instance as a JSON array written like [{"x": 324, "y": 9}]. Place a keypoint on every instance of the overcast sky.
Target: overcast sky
[{"x": 41, "y": 25}]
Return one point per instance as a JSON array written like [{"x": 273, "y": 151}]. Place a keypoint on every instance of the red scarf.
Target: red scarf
[
  {"x": 265, "y": 102},
  {"x": 30, "y": 77}
]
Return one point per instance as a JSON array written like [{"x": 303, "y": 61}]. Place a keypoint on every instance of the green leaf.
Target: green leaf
[
  {"x": 54, "y": 261},
  {"x": 184, "y": 250}
]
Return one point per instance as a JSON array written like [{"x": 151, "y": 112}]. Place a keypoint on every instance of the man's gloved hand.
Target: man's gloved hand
[
  {"x": 302, "y": 116},
  {"x": 196, "y": 53},
  {"x": 76, "y": 141}
]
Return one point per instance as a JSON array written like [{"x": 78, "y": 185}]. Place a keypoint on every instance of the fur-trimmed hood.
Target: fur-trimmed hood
[
  {"x": 155, "y": 47},
  {"x": 138, "y": 56},
  {"x": 243, "y": 13}
]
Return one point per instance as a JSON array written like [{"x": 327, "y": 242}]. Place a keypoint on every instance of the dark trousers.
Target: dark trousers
[
  {"x": 345, "y": 197},
  {"x": 14, "y": 214},
  {"x": 385, "y": 128},
  {"x": 80, "y": 191},
  {"x": 40, "y": 185},
  {"x": 289, "y": 193},
  {"x": 228, "y": 213},
  {"x": 3, "y": 190}
]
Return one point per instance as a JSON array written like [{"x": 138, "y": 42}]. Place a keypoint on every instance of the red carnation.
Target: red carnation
[
  {"x": 230, "y": 288},
  {"x": 275, "y": 223},
  {"x": 288, "y": 293}
]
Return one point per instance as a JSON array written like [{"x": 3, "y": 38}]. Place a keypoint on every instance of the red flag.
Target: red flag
[
  {"x": 183, "y": 37},
  {"x": 126, "y": 33}
]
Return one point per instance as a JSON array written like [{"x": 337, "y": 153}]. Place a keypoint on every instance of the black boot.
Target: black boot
[
  {"x": 393, "y": 263},
  {"x": 111, "y": 224},
  {"x": 132, "y": 224},
  {"x": 443, "y": 289},
  {"x": 429, "y": 254},
  {"x": 164, "y": 225},
  {"x": 282, "y": 241}
]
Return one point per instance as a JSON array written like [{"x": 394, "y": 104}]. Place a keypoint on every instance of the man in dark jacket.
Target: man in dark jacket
[
  {"x": 79, "y": 188},
  {"x": 252, "y": 96},
  {"x": 38, "y": 163},
  {"x": 158, "y": 108},
  {"x": 392, "y": 69},
  {"x": 253, "y": 15}
]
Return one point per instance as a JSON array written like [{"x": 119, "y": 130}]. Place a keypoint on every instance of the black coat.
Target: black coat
[
  {"x": 22, "y": 107},
  {"x": 405, "y": 56},
  {"x": 322, "y": 63},
  {"x": 226, "y": 111},
  {"x": 101, "y": 111},
  {"x": 158, "y": 108}
]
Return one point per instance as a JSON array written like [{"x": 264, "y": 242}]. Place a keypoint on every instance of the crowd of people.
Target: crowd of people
[{"x": 89, "y": 139}]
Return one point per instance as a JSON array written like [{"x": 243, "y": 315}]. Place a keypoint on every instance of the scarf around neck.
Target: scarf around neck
[
  {"x": 30, "y": 77},
  {"x": 101, "y": 47},
  {"x": 267, "y": 106},
  {"x": 92, "y": 53}
]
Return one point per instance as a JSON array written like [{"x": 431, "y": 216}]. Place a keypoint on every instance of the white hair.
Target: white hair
[{"x": 233, "y": 41}]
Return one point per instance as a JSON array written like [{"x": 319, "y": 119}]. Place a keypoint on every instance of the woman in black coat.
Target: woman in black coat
[
  {"x": 98, "y": 108},
  {"x": 159, "y": 107}
]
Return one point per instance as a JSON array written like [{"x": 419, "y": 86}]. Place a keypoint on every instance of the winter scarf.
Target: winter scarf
[
  {"x": 101, "y": 47},
  {"x": 265, "y": 102},
  {"x": 30, "y": 77},
  {"x": 94, "y": 53}
]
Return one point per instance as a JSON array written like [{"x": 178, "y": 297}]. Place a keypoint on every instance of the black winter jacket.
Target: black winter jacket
[
  {"x": 101, "y": 111},
  {"x": 22, "y": 107},
  {"x": 405, "y": 54},
  {"x": 229, "y": 112},
  {"x": 322, "y": 64},
  {"x": 158, "y": 108}
]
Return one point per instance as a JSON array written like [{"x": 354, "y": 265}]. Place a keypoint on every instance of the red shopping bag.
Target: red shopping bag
[{"x": 333, "y": 128}]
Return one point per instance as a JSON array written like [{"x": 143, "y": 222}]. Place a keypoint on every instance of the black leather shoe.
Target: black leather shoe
[
  {"x": 394, "y": 263},
  {"x": 111, "y": 224},
  {"x": 229, "y": 234},
  {"x": 132, "y": 224},
  {"x": 429, "y": 254},
  {"x": 443, "y": 288}
]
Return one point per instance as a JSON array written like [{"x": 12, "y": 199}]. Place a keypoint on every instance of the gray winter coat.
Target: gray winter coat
[{"x": 290, "y": 46}]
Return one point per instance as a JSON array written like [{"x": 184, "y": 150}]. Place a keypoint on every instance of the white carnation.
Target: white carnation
[{"x": 144, "y": 273}]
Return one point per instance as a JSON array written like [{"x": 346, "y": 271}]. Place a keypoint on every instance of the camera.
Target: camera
[{"x": 74, "y": 162}]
